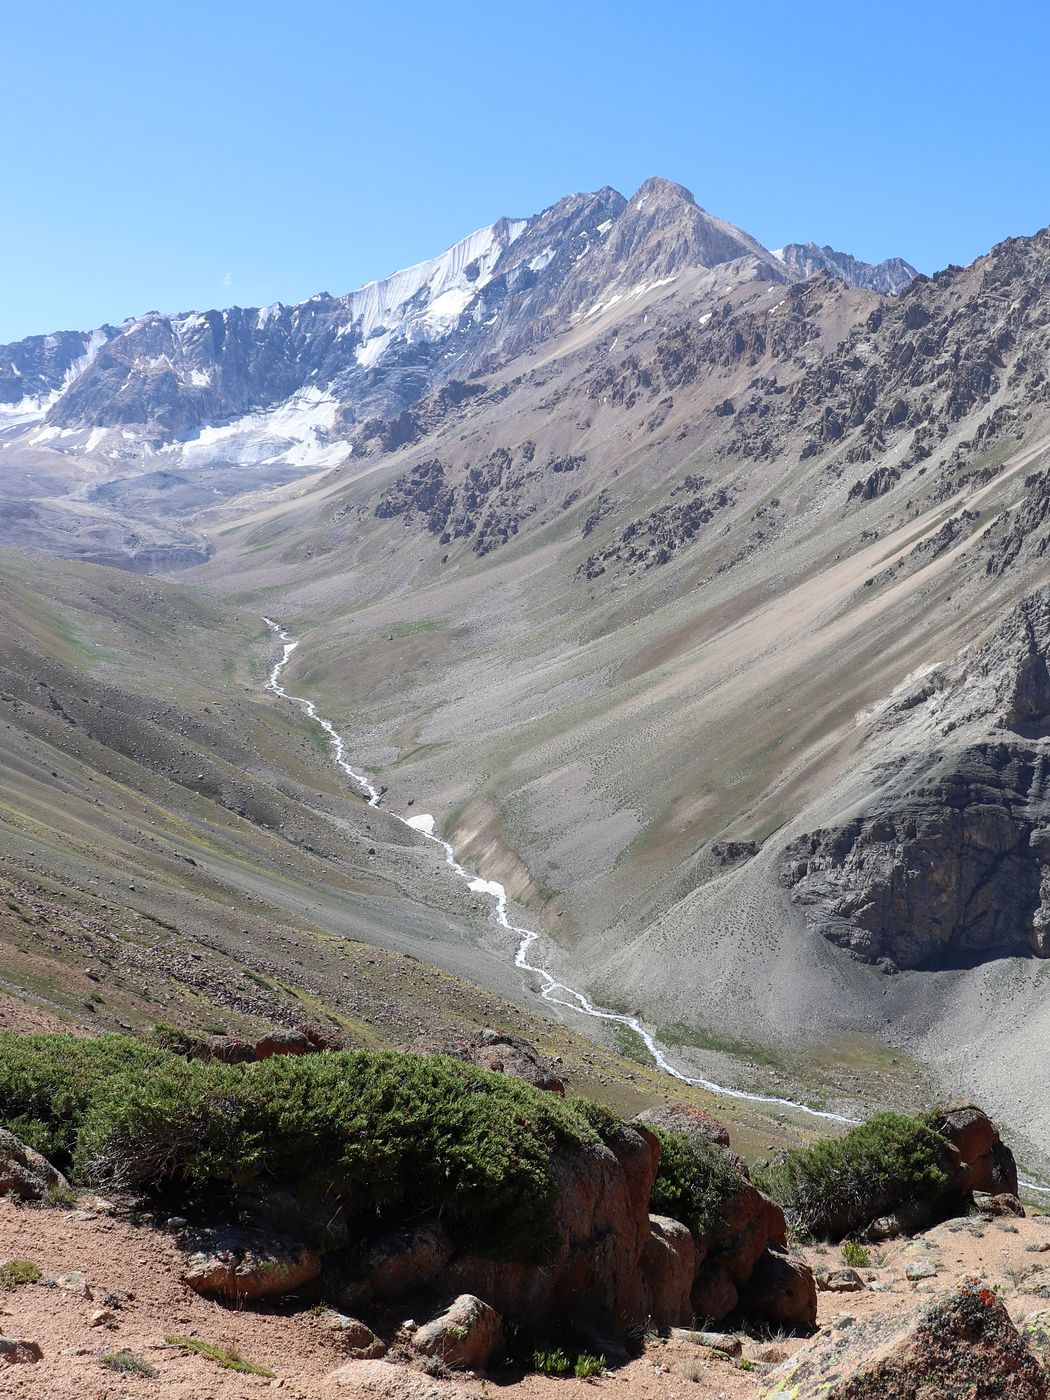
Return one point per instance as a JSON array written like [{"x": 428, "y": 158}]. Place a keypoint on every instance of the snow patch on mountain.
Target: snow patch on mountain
[{"x": 298, "y": 432}]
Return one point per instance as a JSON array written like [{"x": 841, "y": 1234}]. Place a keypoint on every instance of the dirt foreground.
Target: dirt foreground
[{"x": 109, "y": 1284}]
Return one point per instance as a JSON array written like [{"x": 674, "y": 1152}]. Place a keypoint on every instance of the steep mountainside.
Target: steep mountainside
[
  {"x": 249, "y": 385},
  {"x": 623, "y": 615}
]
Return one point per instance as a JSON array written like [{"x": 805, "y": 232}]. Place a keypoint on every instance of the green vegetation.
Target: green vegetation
[
  {"x": 552, "y": 1363},
  {"x": 839, "y": 1185},
  {"x": 588, "y": 1365},
  {"x": 47, "y": 1083},
  {"x": 389, "y": 1135},
  {"x": 128, "y": 1364},
  {"x": 229, "y": 1358},
  {"x": 694, "y": 1178},
  {"x": 855, "y": 1255},
  {"x": 16, "y": 1272}
]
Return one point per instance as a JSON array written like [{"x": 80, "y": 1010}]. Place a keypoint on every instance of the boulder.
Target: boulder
[
  {"x": 246, "y": 1265},
  {"x": 16, "y": 1350},
  {"x": 668, "y": 1266},
  {"x": 502, "y": 1054},
  {"x": 1003, "y": 1204},
  {"x": 683, "y": 1118},
  {"x": 356, "y": 1338},
  {"x": 961, "y": 1345},
  {"x": 407, "y": 1260},
  {"x": 229, "y": 1050},
  {"x": 747, "y": 1222},
  {"x": 467, "y": 1334},
  {"x": 781, "y": 1290},
  {"x": 984, "y": 1162},
  {"x": 24, "y": 1172},
  {"x": 907, "y": 1219},
  {"x": 839, "y": 1280},
  {"x": 715, "y": 1294},
  {"x": 282, "y": 1042}
]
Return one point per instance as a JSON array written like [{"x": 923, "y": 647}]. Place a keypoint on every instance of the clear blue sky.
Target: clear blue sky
[{"x": 190, "y": 155}]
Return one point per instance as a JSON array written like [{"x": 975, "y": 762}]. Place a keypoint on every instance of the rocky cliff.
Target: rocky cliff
[{"x": 949, "y": 858}]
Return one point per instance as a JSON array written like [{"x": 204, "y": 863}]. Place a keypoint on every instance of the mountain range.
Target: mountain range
[{"x": 697, "y": 590}]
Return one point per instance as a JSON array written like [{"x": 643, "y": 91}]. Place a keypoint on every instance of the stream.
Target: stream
[{"x": 552, "y": 991}]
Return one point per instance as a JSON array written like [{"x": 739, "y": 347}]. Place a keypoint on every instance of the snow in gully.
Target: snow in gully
[{"x": 551, "y": 990}]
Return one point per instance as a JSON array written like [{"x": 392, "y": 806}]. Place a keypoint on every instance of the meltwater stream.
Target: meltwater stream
[{"x": 551, "y": 990}]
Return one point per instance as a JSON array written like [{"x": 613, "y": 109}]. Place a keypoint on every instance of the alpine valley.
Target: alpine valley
[{"x": 697, "y": 591}]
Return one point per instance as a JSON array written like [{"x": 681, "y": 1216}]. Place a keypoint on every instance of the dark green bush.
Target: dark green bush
[
  {"x": 840, "y": 1185},
  {"x": 48, "y": 1081},
  {"x": 389, "y": 1135},
  {"x": 694, "y": 1178}
]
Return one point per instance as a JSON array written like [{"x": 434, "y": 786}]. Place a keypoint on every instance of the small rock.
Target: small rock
[
  {"x": 74, "y": 1282},
  {"x": 917, "y": 1269},
  {"x": 839, "y": 1280},
  {"x": 724, "y": 1342},
  {"x": 14, "y": 1350},
  {"x": 102, "y": 1317}
]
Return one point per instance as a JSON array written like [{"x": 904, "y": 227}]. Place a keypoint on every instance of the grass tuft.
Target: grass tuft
[{"x": 229, "y": 1358}]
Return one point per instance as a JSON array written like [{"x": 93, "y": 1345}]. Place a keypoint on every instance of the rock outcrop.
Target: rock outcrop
[
  {"x": 245, "y": 1266},
  {"x": 599, "y": 1230},
  {"x": 964, "y": 1344},
  {"x": 950, "y": 858},
  {"x": 24, "y": 1172}
]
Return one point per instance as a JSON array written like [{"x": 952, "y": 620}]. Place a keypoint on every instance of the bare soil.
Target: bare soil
[{"x": 134, "y": 1270}]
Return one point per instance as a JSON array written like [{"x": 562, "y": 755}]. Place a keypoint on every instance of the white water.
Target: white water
[{"x": 551, "y": 990}]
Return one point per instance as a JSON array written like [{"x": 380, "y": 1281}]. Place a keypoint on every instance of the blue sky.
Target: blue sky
[{"x": 195, "y": 155}]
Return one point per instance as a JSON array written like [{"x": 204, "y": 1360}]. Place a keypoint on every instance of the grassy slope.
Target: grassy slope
[{"x": 174, "y": 846}]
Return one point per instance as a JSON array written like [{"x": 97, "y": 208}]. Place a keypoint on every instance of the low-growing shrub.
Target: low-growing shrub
[
  {"x": 588, "y": 1365},
  {"x": 47, "y": 1083},
  {"x": 15, "y": 1272},
  {"x": 855, "y": 1255},
  {"x": 552, "y": 1363},
  {"x": 841, "y": 1184},
  {"x": 387, "y": 1134},
  {"x": 694, "y": 1177},
  {"x": 126, "y": 1363},
  {"x": 229, "y": 1358}
]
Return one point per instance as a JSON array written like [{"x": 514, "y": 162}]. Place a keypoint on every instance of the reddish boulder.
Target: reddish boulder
[
  {"x": 668, "y": 1266},
  {"x": 468, "y": 1334},
  {"x": 246, "y": 1265},
  {"x": 960, "y": 1346},
  {"x": 684, "y": 1118},
  {"x": 282, "y": 1042},
  {"x": 781, "y": 1291},
  {"x": 981, "y": 1160}
]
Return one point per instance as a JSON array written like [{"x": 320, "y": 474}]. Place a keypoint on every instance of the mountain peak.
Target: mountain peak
[
  {"x": 666, "y": 191},
  {"x": 891, "y": 275}
]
